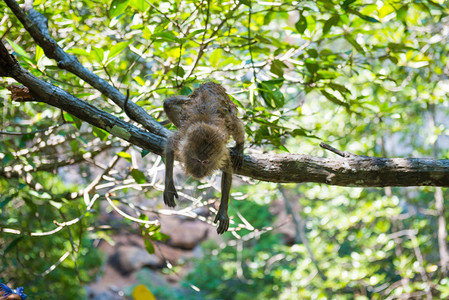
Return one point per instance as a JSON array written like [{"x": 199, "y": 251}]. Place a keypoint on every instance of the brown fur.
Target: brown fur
[
  {"x": 206, "y": 119},
  {"x": 205, "y": 124}
]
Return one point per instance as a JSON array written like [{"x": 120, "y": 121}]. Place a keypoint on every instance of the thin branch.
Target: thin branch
[
  {"x": 249, "y": 42},
  {"x": 170, "y": 267},
  {"x": 60, "y": 260},
  {"x": 126, "y": 216},
  {"x": 300, "y": 235},
  {"x": 204, "y": 45},
  {"x": 46, "y": 130},
  {"x": 439, "y": 205},
  {"x": 336, "y": 151}
]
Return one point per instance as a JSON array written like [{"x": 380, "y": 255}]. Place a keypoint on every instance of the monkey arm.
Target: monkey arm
[
  {"x": 222, "y": 215},
  {"x": 170, "y": 190},
  {"x": 239, "y": 137},
  {"x": 173, "y": 106}
]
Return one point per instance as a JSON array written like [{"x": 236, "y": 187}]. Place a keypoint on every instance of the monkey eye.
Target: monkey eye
[{"x": 206, "y": 161}]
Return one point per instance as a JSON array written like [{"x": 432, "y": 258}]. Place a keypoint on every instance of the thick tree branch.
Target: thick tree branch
[
  {"x": 361, "y": 171},
  {"x": 36, "y": 24},
  {"x": 57, "y": 97},
  {"x": 345, "y": 171}
]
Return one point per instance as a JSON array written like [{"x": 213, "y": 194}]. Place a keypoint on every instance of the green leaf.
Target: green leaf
[
  {"x": 8, "y": 158},
  {"x": 144, "y": 152},
  {"x": 301, "y": 25},
  {"x": 7, "y": 199},
  {"x": 327, "y": 74},
  {"x": 311, "y": 65},
  {"x": 299, "y": 132},
  {"x": 334, "y": 99},
  {"x": 78, "y": 51},
  {"x": 12, "y": 244},
  {"x": 40, "y": 195},
  {"x": 185, "y": 91},
  {"x": 138, "y": 176},
  {"x": 73, "y": 120},
  {"x": 165, "y": 36},
  {"x": 148, "y": 246},
  {"x": 354, "y": 43},
  {"x": 215, "y": 57},
  {"x": 117, "y": 7},
  {"x": 283, "y": 148},
  {"x": 277, "y": 67},
  {"x": 118, "y": 48},
  {"x": 140, "y": 5},
  {"x": 312, "y": 52},
  {"x": 271, "y": 94},
  {"x": 18, "y": 50},
  {"x": 401, "y": 14},
  {"x": 125, "y": 155},
  {"x": 330, "y": 22},
  {"x": 346, "y": 4},
  {"x": 38, "y": 53},
  {"x": 342, "y": 89},
  {"x": 74, "y": 146},
  {"x": 246, "y": 2},
  {"x": 179, "y": 71},
  {"x": 194, "y": 33},
  {"x": 100, "y": 133},
  {"x": 263, "y": 39},
  {"x": 140, "y": 80},
  {"x": 364, "y": 17}
]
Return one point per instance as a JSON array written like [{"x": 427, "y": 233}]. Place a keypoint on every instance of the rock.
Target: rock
[
  {"x": 103, "y": 295},
  {"x": 129, "y": 258},
  {"x": 184, "y": 234}
]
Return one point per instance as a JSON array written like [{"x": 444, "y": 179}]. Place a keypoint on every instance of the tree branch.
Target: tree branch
[
  {"x": 345, "y": 171},
  {"x": 349, "y": 171},
  {"x": 36, "y": 24},
  {"x": 57, "y": 97}
]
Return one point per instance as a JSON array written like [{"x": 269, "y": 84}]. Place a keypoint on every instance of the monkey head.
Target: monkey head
[{"x": 204, "y": 149}]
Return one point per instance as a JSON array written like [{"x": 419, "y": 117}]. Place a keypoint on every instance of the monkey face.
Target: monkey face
[{"x": 204, "y": 150}]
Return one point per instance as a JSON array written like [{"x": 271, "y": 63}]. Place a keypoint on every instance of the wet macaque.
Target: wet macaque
[{"x": 205, "y": 120}]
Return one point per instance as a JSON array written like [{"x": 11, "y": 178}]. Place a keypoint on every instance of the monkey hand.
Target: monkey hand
[
  {"x": 237, "y": 156},
  {"x": 223, "y": 219},
  {"x": 169, "y": 194}
]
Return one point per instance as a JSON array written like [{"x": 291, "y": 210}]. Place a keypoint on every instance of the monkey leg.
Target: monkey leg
[
  {"x": 170, "y": 190},
  {"x": 238, "y": 133},
  {"x": 222, "y": 215},
  {"x": 237, "y": 156},
  {"x": 173, "y": 106}
]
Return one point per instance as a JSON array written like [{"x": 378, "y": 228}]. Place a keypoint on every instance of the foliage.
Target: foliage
[{"x": 368, "y": 77}]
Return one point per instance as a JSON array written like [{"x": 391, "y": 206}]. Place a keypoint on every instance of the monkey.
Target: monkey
[{"x": 205, "y": 121}]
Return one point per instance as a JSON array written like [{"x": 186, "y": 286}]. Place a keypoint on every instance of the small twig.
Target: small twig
[
  {"x": 52, "y": 267},
  {"x": 126, "y": 216},
  {"x": 300, "y": 231},
  {"x": 204, "y": 44},
  {"x": 170, "y": 267},
  {"x": 336, "y": 151},
  {"x": 60, "y": 225},
  {"x": 32, "y": 132},
  {"x": 249, "y": 41}
]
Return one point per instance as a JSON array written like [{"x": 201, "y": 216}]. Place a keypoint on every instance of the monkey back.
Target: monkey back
[{"x": 211, "y": 104}]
